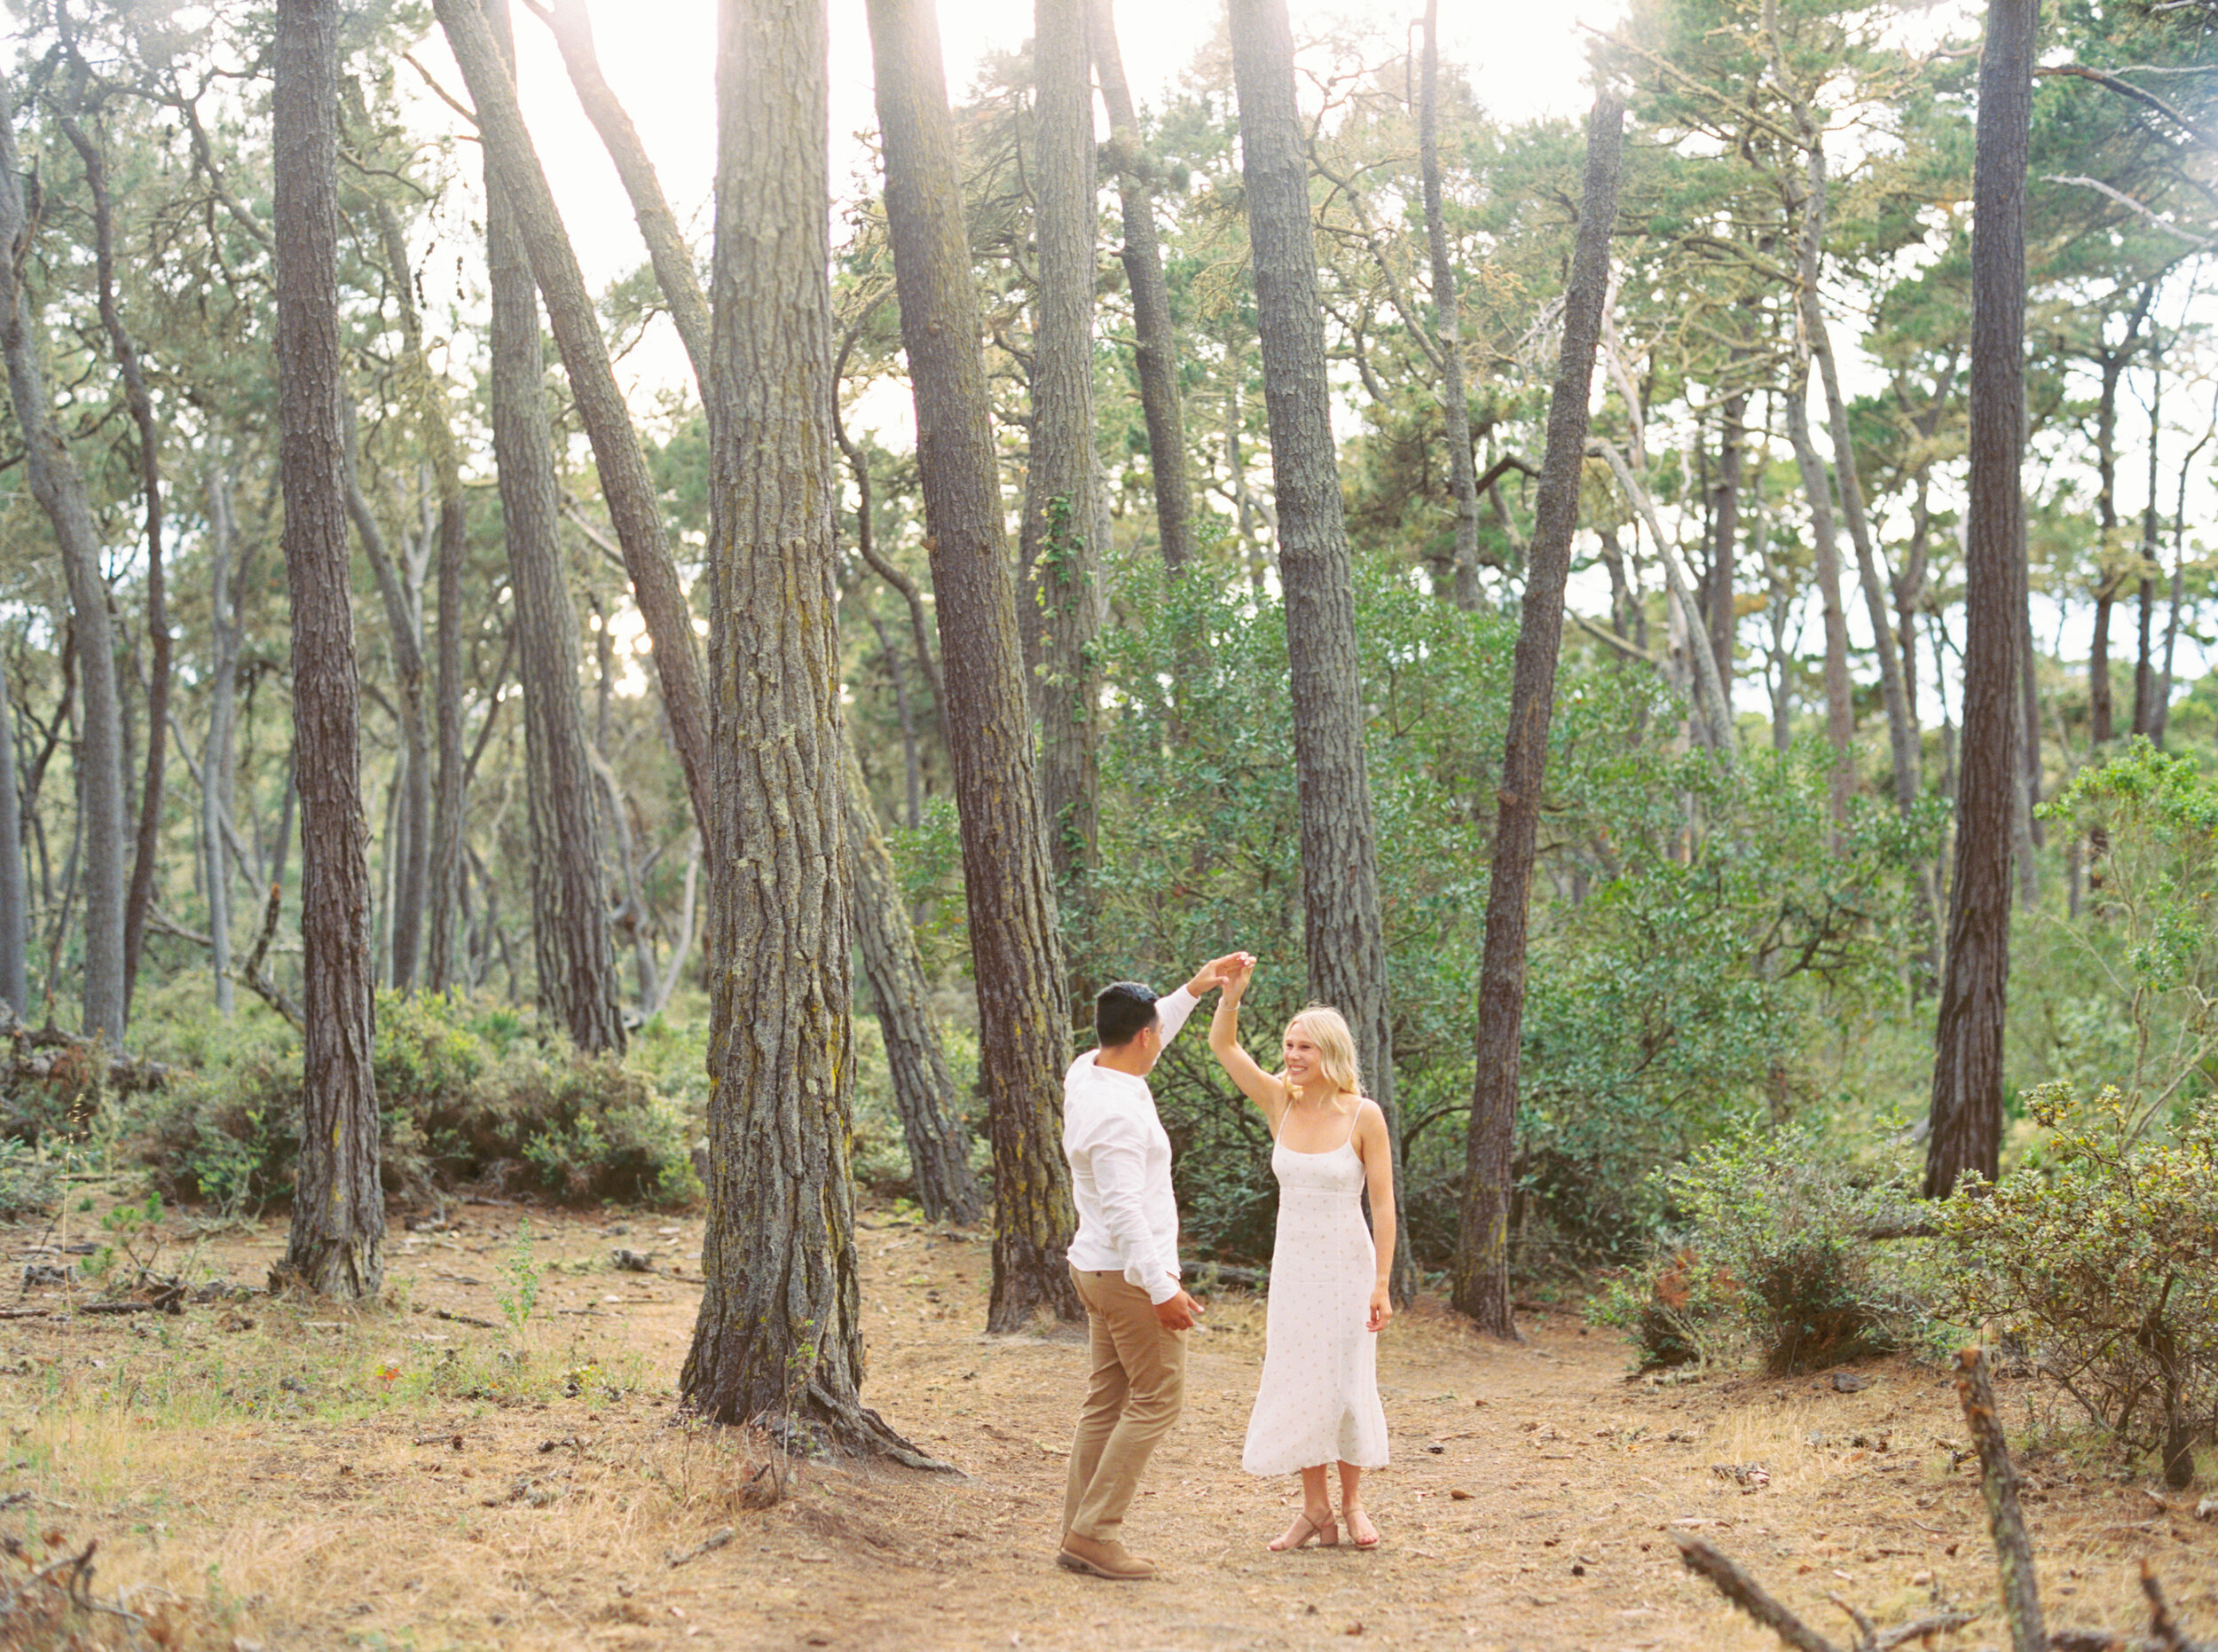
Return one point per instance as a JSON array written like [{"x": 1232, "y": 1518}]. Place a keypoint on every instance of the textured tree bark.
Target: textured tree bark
[
  {"x": 1155, "y": 350},
  {"x": 626, "y": 486},
  {"x": 571, "y": 950},
  {"x": 147, "y": 843},
  {"x": 1447, "y": 317},
  {"x": 779, "y": 1341},
  {"x": 1061, "y": 498},
  {"x": 1967, "y": 1108},
  {"x": 1016, "y": 949},
  {"x": 939, "y": 1145},
  {"x": 59, "y": 489},
  {"x": 337, "y": 1244},
  {"x": 1343, "y": 930},
  {"x": 1481, "y": 1270}
]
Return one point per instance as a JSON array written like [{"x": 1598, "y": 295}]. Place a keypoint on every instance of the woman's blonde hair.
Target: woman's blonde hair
[{"x": 1336, "y": 1047}]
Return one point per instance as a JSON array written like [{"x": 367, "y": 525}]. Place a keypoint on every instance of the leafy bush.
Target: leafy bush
[
  {"x": 463, "y": 1095},
  {"x": 2101, "y": 1256},
  {"x": 1771, "y": 1253},
  {"x": 2140, "y": 1008}
]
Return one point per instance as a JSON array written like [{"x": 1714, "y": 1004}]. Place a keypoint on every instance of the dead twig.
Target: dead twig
[
  {"x": 1750, "y": 1596},
  {"x": 715, "y": 1540},
  {"x": 2006, "y": 1522},
  {"x": 450, "y": 1315}
]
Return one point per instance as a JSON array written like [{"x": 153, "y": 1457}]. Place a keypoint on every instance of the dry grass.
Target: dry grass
[{"x": 277, "y": 1475}]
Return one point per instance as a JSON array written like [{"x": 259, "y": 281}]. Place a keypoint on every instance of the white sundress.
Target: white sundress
[{"x": 1318, "y": 1402}]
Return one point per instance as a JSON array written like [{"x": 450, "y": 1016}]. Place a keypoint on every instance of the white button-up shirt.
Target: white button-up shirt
[{"x": 1119, "y": 1155}]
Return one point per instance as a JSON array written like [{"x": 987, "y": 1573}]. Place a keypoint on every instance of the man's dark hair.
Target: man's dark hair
[{"x": 1124, "y": 1011}]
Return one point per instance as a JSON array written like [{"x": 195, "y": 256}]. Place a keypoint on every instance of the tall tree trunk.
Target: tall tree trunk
[
  {"x": 408, "y": 849},
  {"x": 1448, "y": 318},
  {"x": 779, "y": 1338},
  {"x": 2110, "y": 573},
  {"x": 626, "y": 486},
  {"x": 938, "y": 1145},
  {"x": 2027, "y": 828},
  {"x": 441, "y": 863},
  {"x": 2179, "y": 590},
  {"x": 1709, "y": 691},
  {"x": 1967, "y": 1116},
  {"x": 2149, "y": 563},
  {"x": 1818, "y": 341},
  {"x": 1061, "y": 498},
  {"x": 1343, "y": 929},
  {"x": 1840, "y": 709},
  {"x": 337, "y": 1245},
  {"x": 1016, "y": 949},
  {"x": 225, "y": 632},
  {"x": 148, "y": 843},
  {"x": 449, "y": 790},
  {"x": 572, "y": 952},
  {"x": 1481, "y": 1269},
  {"x": 15, "y": 907},
  {"x": 1726, "y": 525},
  {"x": 59, "y": 489},
  {"x": 1155, "y": 347}
]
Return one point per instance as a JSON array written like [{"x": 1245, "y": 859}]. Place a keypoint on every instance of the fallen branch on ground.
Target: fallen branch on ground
[{"x": 2021, "y": 1595}]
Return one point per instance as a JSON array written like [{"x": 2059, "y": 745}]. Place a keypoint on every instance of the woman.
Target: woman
[{"x": 1319, "y": 1400}]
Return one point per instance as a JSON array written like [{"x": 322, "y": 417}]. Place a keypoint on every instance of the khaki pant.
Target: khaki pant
[{"x": 1137, "y": 1388}]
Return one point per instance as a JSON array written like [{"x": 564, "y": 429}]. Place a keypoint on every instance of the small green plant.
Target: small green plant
[
  {"x": 2102, "y": 1258},
  {"x": 133, "y": 1243},
  {"x": 519, "y": 1294}
]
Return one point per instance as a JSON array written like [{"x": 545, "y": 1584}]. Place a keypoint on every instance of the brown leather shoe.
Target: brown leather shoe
[{"x": 1109, "y": 1560}]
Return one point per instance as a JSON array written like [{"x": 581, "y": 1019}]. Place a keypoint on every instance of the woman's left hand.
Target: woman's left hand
[{"x": 1381, "y": 1309}]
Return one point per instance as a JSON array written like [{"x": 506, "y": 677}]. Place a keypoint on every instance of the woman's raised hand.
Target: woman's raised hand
[{"x": 1222, "y": 972}]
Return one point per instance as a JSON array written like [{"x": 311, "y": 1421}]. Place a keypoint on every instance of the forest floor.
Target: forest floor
[{"x": 260, "y": 1474}]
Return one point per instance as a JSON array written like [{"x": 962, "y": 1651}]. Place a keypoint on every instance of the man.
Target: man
[{"x": 1124, "y": 1260}]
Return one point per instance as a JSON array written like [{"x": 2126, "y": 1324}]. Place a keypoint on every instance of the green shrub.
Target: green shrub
[
  {"x": 2101, "y": 1256},
  {"x": 464, "y": 1097},
  {"x": 1691, "y": 937},
  {"x": 1771, "y": 1253}
]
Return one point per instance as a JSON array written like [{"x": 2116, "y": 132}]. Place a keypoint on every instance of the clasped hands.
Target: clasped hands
[{"x": 1229, "y": 971}]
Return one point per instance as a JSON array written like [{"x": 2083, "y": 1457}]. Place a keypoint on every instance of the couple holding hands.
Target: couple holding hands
[{"x": 1318, "y": 1401}]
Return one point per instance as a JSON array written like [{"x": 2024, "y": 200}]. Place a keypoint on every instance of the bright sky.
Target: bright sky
[{"x": 660, "y": 56}]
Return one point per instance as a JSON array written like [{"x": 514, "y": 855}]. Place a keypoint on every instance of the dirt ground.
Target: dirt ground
[{"x": 265, "y": 1474}]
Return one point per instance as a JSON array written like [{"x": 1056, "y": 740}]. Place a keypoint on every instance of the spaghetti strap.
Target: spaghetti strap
[{"x": 1352, "y": 1123}]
